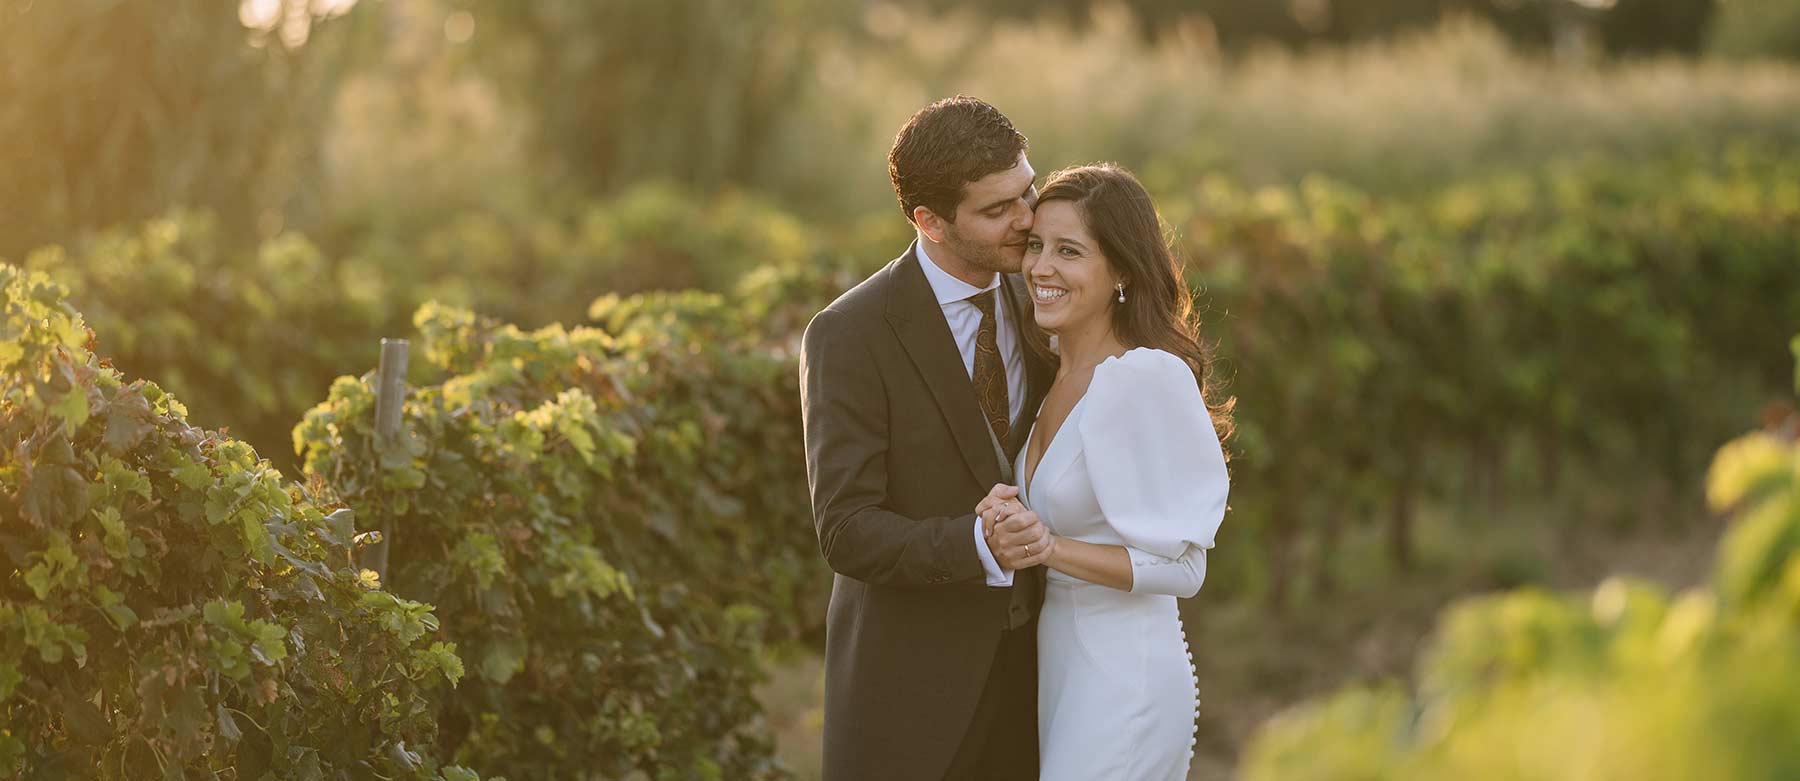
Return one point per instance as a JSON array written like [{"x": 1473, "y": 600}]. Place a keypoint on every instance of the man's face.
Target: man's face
[{"x": 994, "y": 219}]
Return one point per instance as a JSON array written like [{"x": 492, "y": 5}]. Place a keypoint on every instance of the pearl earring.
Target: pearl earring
[{"x": 1121, "y": 288}]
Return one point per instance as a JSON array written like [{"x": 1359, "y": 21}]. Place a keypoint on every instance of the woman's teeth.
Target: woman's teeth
[{"x": 1050, "y": 293}]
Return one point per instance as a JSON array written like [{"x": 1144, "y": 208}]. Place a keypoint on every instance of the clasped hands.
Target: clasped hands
[{"x": 1015, "y": 534}]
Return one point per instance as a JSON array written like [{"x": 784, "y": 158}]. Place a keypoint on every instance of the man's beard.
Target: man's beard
[{"x": 987, "y": 257}]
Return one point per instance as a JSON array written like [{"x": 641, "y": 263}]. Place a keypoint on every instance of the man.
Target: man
[{"x": 917, "y": 390}]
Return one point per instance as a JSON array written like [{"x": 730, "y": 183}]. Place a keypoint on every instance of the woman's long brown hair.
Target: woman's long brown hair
[{"x": 1158, "y": 311}]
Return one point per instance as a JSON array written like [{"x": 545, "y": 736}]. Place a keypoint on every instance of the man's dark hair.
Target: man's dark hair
[{"x": 946, "y": 145}]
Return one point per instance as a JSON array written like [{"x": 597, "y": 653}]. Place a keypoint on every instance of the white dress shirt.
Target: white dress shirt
[{"x": 965, "y": 324}]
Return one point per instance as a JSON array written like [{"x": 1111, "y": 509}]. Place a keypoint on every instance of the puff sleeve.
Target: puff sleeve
[{"x": 1156, "y": 466}]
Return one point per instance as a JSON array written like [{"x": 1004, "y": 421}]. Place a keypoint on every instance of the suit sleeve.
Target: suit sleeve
[{"x": 844, "y": 408}]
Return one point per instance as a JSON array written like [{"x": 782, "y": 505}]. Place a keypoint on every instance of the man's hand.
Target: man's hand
[{"x": 1002, "y": 500}]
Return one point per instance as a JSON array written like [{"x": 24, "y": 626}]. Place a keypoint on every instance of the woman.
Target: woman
[{"x": 1125, "y": 471}]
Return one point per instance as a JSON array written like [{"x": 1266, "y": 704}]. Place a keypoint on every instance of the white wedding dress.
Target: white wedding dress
[{"x": 1137, "y": 464}]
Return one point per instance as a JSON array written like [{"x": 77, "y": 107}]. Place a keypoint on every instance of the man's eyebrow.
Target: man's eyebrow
[
  {"x": 999, "y": 203},
  {"x": 1005, "y": 201}
]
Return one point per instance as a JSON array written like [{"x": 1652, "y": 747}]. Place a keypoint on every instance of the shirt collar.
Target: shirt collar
[{"x": 947, "y": 288}]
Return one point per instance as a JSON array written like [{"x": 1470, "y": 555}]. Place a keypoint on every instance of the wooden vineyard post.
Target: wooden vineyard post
[{"x": 390, "y": 394}]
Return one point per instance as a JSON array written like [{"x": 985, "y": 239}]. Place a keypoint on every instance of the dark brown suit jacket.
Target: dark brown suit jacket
[{"x": 897, "y": 456}]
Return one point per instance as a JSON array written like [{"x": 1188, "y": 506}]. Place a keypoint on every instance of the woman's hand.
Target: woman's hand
[
  {"x": 1015, "y": 535},
  {"x": 1022, "y": 540}
]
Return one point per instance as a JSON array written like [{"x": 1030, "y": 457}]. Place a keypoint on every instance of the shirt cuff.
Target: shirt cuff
[{"x": 995, "y": 575}]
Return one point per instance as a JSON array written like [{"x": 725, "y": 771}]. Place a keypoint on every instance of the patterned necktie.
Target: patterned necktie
[{"x": 990, "y": 370}]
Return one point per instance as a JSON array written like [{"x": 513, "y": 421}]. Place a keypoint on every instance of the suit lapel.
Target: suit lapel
[{"x": 918, "y": 321}]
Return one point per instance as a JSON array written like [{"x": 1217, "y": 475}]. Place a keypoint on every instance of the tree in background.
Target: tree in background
[
  {"x": 114, "y": 111},
  {"x": 1624, "y": 26},
  {"x": 1652, "y": 26},
  {"x": 619, "y": 90},
  {"x": 1757, "y": 28}
]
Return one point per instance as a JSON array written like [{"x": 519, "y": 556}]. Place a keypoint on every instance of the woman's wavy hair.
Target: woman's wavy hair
[{"x": 1158, "y": 311}]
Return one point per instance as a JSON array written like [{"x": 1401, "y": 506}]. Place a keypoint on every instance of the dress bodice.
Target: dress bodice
[
  {"x": 1068, "y": 507},
  {"x": 1136, "y": 463}
]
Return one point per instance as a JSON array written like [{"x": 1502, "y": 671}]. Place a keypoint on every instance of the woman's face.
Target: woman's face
[{"x": 1071, "y": 281}]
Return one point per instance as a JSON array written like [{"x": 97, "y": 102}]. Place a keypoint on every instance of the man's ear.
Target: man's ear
[{"x": 928, "y": 223}]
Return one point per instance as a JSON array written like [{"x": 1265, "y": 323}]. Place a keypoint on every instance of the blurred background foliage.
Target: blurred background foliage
[
  {"x": 337, "y": 116},
  {"x": 1493, "y": 279},
  {"x": 1629, "y": 681}
]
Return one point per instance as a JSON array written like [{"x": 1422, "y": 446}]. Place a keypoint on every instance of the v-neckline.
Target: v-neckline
[{"x": 1031, "y": 478}]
